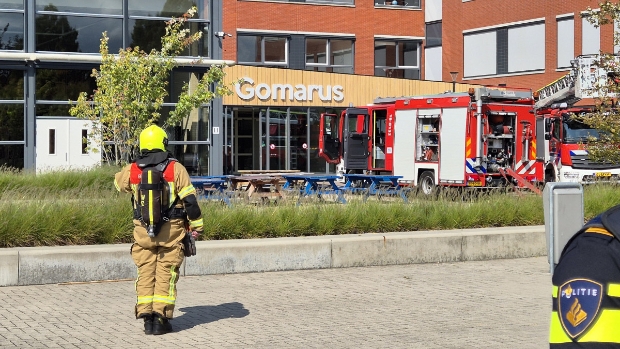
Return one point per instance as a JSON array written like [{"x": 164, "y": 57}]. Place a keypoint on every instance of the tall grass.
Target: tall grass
[{"x": 66, "y": 208}]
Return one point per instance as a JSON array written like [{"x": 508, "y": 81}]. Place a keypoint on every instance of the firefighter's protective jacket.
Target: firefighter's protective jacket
[
  {"x": 181, "y": 188},
  {"x": 158, "y": 259},
  {"x": 586, "y": 287}
]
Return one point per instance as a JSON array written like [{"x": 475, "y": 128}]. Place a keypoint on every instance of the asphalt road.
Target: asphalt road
[{"x": 488, "y": 304}]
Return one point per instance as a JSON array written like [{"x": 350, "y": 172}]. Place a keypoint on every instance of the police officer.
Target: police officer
[
  {"x": 158, "y": 258},
  {"x": 586, "y": 287}
]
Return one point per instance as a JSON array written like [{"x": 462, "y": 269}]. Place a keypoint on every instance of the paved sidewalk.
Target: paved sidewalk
[{"x": 488, "y": 304}]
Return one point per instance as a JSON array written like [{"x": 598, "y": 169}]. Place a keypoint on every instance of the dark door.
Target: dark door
[{"x": 356, "y": 139}]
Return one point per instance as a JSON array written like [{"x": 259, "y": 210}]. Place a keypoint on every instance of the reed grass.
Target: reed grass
[{"x": 77, "y": 208}]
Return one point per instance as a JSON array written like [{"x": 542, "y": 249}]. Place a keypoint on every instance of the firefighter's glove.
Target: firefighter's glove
[{"x": 189, "y": 244}]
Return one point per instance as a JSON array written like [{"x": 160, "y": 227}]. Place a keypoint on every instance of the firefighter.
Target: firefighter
[
  {"x": 586, "y": 287},
  {"x": 158, "y": 258}
]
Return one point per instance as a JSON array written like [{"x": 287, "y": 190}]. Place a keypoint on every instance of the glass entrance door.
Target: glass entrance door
[
  {"x": 277, "y": 139},
  {"x": 266, "y": 139},
  {"x": 245, "y": 132},
  {"x": 298, "y": 122}
]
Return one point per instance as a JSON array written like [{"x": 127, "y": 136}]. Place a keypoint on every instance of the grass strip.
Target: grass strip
[{"x": 78, "y": 208}]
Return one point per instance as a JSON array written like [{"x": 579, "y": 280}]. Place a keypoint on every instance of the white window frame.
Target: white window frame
[
  {"x": 398, "y": 66},
  {"x": 328, "y": 51},
  {"x": 262, "y": 50}
]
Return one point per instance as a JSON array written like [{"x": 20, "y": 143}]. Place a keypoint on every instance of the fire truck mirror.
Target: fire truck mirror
[
  {"x": 547, "y": 136},
  {"x": 563, "y": 212}
]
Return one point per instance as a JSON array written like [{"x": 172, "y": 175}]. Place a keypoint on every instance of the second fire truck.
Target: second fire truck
[
  {"x": 563, "y": 138},
  {"x": 483, "y": 138}
]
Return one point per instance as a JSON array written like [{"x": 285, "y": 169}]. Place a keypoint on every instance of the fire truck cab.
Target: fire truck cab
[{"x": 483, "y": 138}]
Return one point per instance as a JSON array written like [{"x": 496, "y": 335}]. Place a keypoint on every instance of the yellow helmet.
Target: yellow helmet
[{"x": 153, "y": 137}]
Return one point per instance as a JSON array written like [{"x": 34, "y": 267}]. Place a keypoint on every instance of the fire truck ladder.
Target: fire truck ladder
[{"x": 562, "y": 89}]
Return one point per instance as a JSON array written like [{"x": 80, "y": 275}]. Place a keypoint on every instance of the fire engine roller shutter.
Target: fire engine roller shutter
[
  {"x": 404, "y": 144},
  {"x": 452, "y": 143}
]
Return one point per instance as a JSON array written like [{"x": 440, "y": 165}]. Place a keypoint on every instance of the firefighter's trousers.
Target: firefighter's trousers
[{"x": 158, "y": 271}]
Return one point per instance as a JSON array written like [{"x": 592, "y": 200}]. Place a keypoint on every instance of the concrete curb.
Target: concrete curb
[{"x": 45, "y": 265}]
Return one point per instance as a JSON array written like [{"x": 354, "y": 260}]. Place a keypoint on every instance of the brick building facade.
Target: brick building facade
[
  {"x": 459, "y": 16},
  {"x": 529, "y": 27}
]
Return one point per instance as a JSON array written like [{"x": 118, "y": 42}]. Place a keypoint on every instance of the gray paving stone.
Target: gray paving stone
[{"x": 483, "y": 304}]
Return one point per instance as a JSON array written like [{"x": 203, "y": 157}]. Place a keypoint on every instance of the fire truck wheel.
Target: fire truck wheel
[{"x": 426, "y": 183}]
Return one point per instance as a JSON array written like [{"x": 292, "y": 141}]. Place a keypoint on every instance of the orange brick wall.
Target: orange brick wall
[
  {"x": 363, "y": 20},
  {"x": 459, "y": 16}
]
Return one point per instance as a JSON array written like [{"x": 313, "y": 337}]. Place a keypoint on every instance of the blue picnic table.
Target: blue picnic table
[
  {"x": 378, "y": 185},
  {"x": 309, "y": 185},
  {"x": 211, "y": 187}
]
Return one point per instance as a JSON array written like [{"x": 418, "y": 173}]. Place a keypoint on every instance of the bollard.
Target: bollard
[{"x": 563, "y": 207}]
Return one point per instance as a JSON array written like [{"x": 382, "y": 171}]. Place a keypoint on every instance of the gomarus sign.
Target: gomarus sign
[{"x": 248, "y": 90}]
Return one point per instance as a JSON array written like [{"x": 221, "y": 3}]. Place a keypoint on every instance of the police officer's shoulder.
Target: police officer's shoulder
[{"x": 610, "y": 219}]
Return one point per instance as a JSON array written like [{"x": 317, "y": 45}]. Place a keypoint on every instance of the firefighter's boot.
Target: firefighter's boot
[
  {"x": 148, "y": 323},
  {"x": 161, "y": 325}
]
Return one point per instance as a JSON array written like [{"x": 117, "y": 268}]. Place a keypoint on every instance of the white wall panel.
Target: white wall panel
[
  {"x": 590, "y": 38},
  {"x": 616, "y": 32},
  {"x": 433, "y": 64},
  {"x": 566, "y": 42},
  {"x": 526, "y": 48},
  {"x": 479, "y": 54},
  {"x": 432, "y": 10}
]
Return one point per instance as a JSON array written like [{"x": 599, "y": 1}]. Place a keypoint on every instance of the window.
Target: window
[
  {"x": 566, "y": 41},
  {"x": 433, "y": 34},
  {"x": 526, "y": 48},
  {"x": 398, "y": 3},
  {"x": 480, "y": 52},
  {"x": 12, "y": 4},
  {"x": 54, "y": 87},
  {"x": 505, "y": 50},
  {"x": 52, "y": 142},
  {"x": 329, "y": 55},
  {"x": 166, "y": 9},
  {"x": 12, "y": 37},
  {"x": 76, "y": 26},
  {"x": 147, "y": 22},
  {"x": 147, "y": 33},
  {"x": 12, "y": 121},
  {"x": 58, "y": 31},
  {"x": 262, "y": 50},
  {"x": 84, "y": 141},
  {"x": 12, "y": 155},
  {"x": 616, "y": 33},
  {"x": 335, "y": 2},
  {"x": 111, "y": 7},
  {"x": 397, "y": 59}
]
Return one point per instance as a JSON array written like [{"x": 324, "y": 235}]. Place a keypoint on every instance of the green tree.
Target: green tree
[
  {"x": 131, "y": 88},
  {"x": 606, "y": 116}
]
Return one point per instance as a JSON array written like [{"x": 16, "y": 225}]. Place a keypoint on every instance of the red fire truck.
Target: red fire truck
[
  {"x": 484, "y": 138},
  {"x": 563, "y": 138}
]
